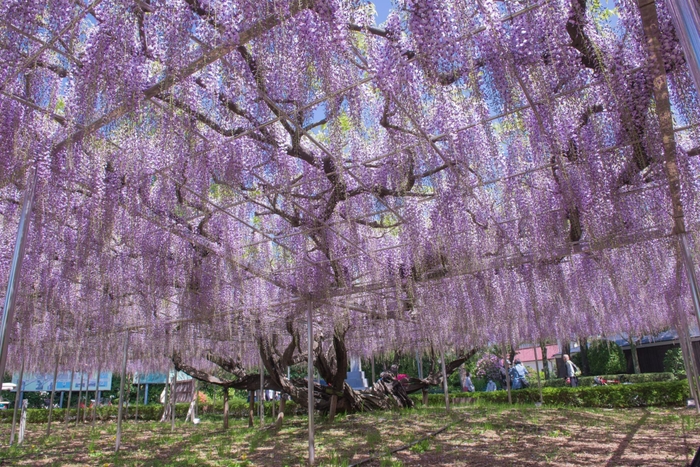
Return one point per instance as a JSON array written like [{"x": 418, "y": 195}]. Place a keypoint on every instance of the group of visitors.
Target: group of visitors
[
  {"x": 517, "y": 373},
  {"x": 518, "y": 376}
]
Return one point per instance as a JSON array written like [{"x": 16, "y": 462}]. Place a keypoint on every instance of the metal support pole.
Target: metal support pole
[
  {"x": 13, "y": 280},
  {"x": 53, "y": 393},
  {"x": 121, "y": 392},
  {"x": 686, "y": 19},
  {"x": 22, "y": 422},
  {"x": 444, "y": 379},
  {"x": 374, "y": 378},
  {"x": 87, "y": 394},
  {"x": 18, "y": 398},
  {"x": 173, "y": 399},
  {"x": 689, "y": 265},
  {"x": 70, "y": 394},
  {"x": 80, "y": 394},
  {"x": 310, "y": 380},
  {"x": 97, "y": 391},
  {"x": 145, "y": 395},
  {"x": 691, "y": 369},
  {"x": 261, "y": 406},
  {"x": 166, "y": 402},
  {"x": 136, "y": 415},
  {"x": 60, "y": 400},
  {"x": 196, "y": 397}
]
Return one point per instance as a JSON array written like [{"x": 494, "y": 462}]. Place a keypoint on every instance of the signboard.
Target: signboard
[
  {"x": 39, "y": 382},
  {"x": 183, "y": 391},
  {"x": 159, "y": 378}
]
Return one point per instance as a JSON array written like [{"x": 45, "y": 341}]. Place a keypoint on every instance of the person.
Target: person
[
  {"x": 491, "y": 386},
  {"x": 517, "y": 375},
  {"x": 571, "y": 371},
  {"x": 467, "y": 385},
  {"x": 504, "y": 380}
]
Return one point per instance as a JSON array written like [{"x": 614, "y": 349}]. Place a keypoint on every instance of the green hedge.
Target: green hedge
[
  {"x": 673, "y": 393},
  {"x": 238, "y": 408},
  {"x": 586, "y": 381}
]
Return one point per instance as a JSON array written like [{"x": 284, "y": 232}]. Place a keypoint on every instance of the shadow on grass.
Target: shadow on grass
[{"x": 616, "y": 458}]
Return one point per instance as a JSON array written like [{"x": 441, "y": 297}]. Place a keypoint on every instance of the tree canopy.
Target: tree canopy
[{"x": 468, "y": 172}]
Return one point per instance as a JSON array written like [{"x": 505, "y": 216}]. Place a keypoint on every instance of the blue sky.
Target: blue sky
[{"x": 383, "y": 7}]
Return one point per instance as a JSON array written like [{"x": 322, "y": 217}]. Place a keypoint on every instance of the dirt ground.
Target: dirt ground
[{"x": 472, "y": 435}]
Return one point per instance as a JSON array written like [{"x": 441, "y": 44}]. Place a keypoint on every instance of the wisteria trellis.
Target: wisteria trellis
[{"x": 471, "y": 171}]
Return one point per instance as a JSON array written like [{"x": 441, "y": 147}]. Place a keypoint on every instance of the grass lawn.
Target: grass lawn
[{"x": 476, "y": 435}]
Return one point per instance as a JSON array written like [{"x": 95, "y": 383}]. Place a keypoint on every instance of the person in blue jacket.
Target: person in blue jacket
[{"x": 517, "y": 375}]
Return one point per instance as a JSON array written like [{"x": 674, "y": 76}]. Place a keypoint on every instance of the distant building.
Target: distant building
[
  {"x": 651, "y": 349},
  {"x": 527, "y": 355}
]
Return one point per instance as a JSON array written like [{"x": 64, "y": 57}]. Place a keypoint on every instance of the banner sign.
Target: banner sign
[
  {"x": 39, "y": 382},
  {"x": 159, "y": 378}
]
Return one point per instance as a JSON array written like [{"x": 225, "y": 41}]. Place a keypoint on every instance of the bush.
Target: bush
[
  {"x": 238, "y": 408},
  {"x": 672, "y": 393},
  {"x": 489, "y": 367},
  {"x": 622, "y": 378},
  {"x": 606, "y": 358},
  {"x": 673, "y": 361}
]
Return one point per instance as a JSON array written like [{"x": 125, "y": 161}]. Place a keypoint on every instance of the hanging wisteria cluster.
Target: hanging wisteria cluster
[{"x": 469, "y": 172}]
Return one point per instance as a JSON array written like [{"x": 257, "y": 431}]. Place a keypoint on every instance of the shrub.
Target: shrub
[
  {"x": 238, "y": 408},
  {"x": 673, "y": 361},
  {"x": 489, "y": 367},
  {"x": 622, "y": 378},
  {"x": 606, "y": 358},
  {"x": 673, "y": 393}
]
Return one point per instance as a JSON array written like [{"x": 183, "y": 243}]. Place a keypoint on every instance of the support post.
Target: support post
[
  {"x": 537, "y": 369},
  {"x": 121, "y": 392},
  {"x": 689, "y": 265},
  {"x": 173, "y": 399},
  {"x": 686, "y": 19},
  {"x": 310, "y": 380},
  {"x": 53, "y": 393},
  {"x": 261, "y": 403},
  {"x": 18, "y": 399},
  {"x": 145, "y": 395},
  {"x": 60, "y": 400},
  {"x": 22, "y": 422},
  {"x": 444, "y": 379},
  {"x": 419, "y": 362},
  {"x": 545, "y": 360},
  {"x": 280, "y": 413},
  {"x": 374, "y": 378},
  {"x": 251, "y": 408},
  {"x": 136, "y": 410},
  {"x": 507, "y": 367},
  {"x": 80, "y": 396},
  {"x": 691, "y": 369},
  {"x": 13, "y": 281},
  {"x": 97, "y": 400},
  {"x": 196, "y": 398},
  {"x": 633, "y": 353},
  {"x": 87, "y": 394},
  {"x": 166, "y": 402},
  {"x": 226, "y": 406},
  {"x": 70, "y": 394}
]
